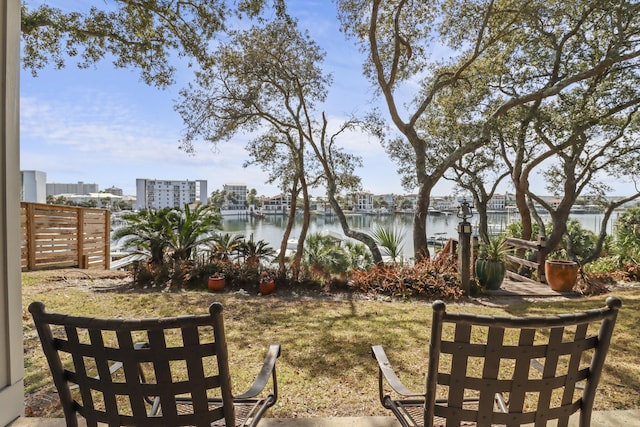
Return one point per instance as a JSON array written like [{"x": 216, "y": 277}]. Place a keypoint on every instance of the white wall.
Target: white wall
[{"x": 11, "y": 353}]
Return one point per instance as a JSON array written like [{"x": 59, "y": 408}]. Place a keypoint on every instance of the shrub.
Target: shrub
[
  {"x": 324, "y": 256},
  {"x": 579, "y": 241},
  {"x": 430, "y": 279},
  {"x": 604, "y": 265},
  {"x": 390, "y": 239},
  {"x": 628, "y": 235},
  {"x": 202, "y": 270},
  {"x": 146, "y": 274}
]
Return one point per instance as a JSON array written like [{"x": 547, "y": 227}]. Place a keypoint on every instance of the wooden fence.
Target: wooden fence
[{"x": 56, "y": 236}]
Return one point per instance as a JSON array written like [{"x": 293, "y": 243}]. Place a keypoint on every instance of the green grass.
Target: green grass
[{"x": 326, "y": 368}]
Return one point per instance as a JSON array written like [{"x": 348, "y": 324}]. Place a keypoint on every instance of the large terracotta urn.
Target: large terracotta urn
[{"x": 561, "y": 275}]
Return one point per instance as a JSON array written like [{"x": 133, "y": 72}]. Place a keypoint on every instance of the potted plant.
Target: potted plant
[
  {"x": 490, "y": 266},
  {"x": 267, "y": 284},
  {"x": 561, "y": 273},
  {"x": 216, "y": 282}
]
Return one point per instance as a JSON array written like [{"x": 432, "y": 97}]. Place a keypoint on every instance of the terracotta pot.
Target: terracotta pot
[
  {"x": 267, "y": 287},
  {"x": 561, "y": 275},
  {"x": 490, "y": 273},
  {"x": 216, "y": 283}
]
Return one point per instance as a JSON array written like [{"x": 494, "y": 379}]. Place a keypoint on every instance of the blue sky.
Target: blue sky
[{"x": 103, "y": 125}]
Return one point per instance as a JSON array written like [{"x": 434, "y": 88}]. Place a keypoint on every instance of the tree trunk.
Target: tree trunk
[
  {"x": 361, "y": 237},
  {"x": 420, "y": 249},
  {"x": 481, "y": 210},
  {"x": 523, "y": 209},
  {"x": 603, "y": 226},
  {"x": 306, "y": 215},
  {"x": 282, "y": 262}
]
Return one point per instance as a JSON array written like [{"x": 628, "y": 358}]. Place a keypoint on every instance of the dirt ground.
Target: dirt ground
[{"x": 96, "y": 280}]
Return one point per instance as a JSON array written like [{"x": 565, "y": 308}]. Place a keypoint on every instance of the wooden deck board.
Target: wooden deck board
[{"x": 513, "y": 288}]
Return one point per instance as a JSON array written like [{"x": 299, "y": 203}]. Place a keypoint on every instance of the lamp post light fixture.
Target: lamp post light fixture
[
  {"x": 464, "y": 251},
  {"x": 464, "y": 213}
]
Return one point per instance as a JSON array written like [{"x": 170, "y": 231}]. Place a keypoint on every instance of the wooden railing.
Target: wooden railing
[
  {"x": 520, "y": 247},
  {"x": 449, "y": 250},
  {"x": 56, "y": 236}
]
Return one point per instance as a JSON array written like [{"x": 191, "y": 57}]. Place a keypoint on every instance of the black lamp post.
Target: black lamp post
[
  {"x": 465, "y": 212},
  {"x": 464, "y": 253}
]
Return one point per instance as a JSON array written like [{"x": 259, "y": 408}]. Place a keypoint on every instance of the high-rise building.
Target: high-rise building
[
  {"x": 34, "y": 186},
  {"x": 160, "y": 194},
  {"x": 54, "y": 188},
  {"x": 236, "y": 197},
  {"x": 114, "y": 190}
]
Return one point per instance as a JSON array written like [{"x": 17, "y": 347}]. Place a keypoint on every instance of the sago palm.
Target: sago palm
[
  {"x": 324, "y": 256},
  {"x": 255, "y": 252},
  {"x": 148, "y": 232},
  {"x": 191, "y": 228},
  {"x": 224, "y": 245}
]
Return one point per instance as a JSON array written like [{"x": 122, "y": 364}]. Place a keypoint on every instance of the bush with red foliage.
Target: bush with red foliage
[{"x": 430, "y": 279}]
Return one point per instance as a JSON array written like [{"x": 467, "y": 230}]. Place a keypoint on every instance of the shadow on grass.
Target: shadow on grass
[{"x": 326, "y": 368}]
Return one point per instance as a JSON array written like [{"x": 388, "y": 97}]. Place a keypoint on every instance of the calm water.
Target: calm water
[{"x": 270, "y": 229}]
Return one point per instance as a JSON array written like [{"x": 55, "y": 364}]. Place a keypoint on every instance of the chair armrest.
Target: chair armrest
[
  {"x": 268, "y": 369},
  {"x": 389, "y": 374}
]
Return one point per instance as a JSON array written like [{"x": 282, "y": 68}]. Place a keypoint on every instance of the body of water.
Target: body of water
[{"x": 271, "y": 228}]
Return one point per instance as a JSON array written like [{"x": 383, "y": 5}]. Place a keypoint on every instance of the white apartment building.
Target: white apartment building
[
  {"x": 56, "y": 188},
  {"x": 500, "y": 202},
  {"x": 280, "y": 204},
  {"x": 160, "y": 194},
  {"x": 34, "y": 186},
  {"x": 413, "y": 198},
  {"x": 445, "y": 204},
  {"x": 363, "y": 202},
  {"x": 236, "y": 197}
]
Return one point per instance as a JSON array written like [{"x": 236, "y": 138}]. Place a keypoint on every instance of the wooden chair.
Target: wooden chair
[
  {"x": 482, "y": 370},
  {"x": 177, "y": 375}
]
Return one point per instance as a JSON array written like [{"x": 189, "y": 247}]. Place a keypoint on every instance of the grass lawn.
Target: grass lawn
[{"x": 325, "y": 368}]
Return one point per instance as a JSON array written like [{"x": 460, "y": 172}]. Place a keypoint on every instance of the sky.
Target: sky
[{"x": 104, "y": 125}]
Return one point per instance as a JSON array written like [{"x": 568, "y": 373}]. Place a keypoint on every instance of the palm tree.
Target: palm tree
[
  {"x": 224, "y": 244},
  {"x": 360, "y": 257},
  {"x": 191, "y": 228},
  {"x": 146, "y": 231},
  {"x": 390, "y": 239},
  {"x": 324, "y": 256},
  {"x": 255, "y": 252}
]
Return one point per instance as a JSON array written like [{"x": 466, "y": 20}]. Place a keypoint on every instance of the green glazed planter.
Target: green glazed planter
[{"x": 490, "y": 273}]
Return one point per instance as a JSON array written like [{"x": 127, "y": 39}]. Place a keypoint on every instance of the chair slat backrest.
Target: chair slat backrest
[
  {"x": 182, "y": 357},
  {"x": 490, "y": 354}
]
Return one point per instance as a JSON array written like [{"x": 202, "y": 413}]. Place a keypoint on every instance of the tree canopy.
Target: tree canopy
[
  {"x": 269, "y": 81},
  {"x": 488, "y": 57},
  {"x": 144, "y": 35}
]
